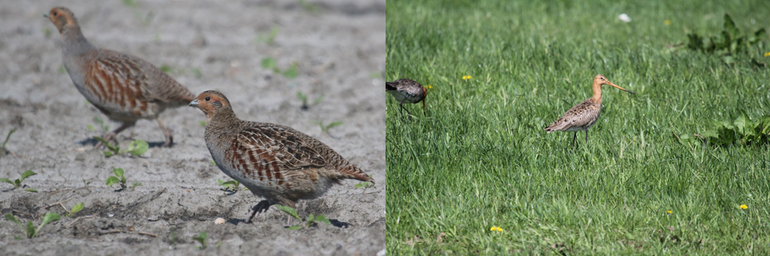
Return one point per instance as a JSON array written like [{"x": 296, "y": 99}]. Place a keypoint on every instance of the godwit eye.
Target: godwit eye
[{"x": 207, "y": 98}]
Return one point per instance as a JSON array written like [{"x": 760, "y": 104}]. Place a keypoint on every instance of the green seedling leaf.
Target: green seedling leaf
[
  {"x": 166, "y": 69},
  {"x": 108, "y": 154},
  {"x": 138, "y": 147},
  {"x": 7, "y": 137},
  {"x": 201, "y": 238},
  {"x": 30, "y": 230},
  {"x": 27, "y": 174},
  {"x": 90, "y": 128},
  {"x": 318, "y": 100},
  {"x": 10, "y": 217},
  {"x": 76, "y": 209},
  {"x": 323, "y": 219},
  {"x": 49, "y": 217},
  {"x": 212, "y": 162},
  {"x": 310, "y": 219},
  {"x": 118, "y": 172},
  {"x": 291, "y": 72},
  {"x": 295, "y": 227},
  {"x": 62, "y": 70},
  {"x": 288, "y": 210},
  {"x": 202, "y": 123},
  {"x": 333, "y": 124},
  {"x": 302, "y": 97},
  {"x": 135, "y": 185},
  {"x": 112, "y": 180},
  {"x": 31, "y": 190},
  {"x": 359, "y": 185},
  {"x": 8, "y": 181},
  {"x": 268, "y": 63}
]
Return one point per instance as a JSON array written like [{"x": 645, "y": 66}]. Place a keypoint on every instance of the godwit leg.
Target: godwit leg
[
  {"x": 586, "y": 136},
  {"x": 574, "y": 138},
  {"x": 407, "y": 111}
]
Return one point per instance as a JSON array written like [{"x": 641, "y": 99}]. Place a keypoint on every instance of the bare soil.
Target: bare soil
[{"x": 339, "y": 50}]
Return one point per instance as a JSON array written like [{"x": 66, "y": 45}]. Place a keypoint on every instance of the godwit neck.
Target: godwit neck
[{"x": 597, "y": 91}]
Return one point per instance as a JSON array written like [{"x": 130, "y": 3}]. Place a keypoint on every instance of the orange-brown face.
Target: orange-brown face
[
  {"x": 210, "y": 102},
  {"x": 601, "y": 80},
  {"x": 61, "y": 17}
]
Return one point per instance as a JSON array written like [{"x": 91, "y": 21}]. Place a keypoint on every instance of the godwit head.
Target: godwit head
[{"x": 600, "y": 80}]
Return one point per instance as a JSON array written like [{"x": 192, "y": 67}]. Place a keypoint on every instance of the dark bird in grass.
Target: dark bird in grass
[
  {"x": 407, "y": 91},
  {"x": 582, "y": 116}
]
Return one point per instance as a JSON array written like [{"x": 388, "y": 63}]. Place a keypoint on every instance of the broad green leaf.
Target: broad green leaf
[
  {"x": 10, "y": 217},
  {"x": 268, "y": 63},
  {"x": 7, "y": 180},
  {"x": 740, "y": 123},
  {"x": 112, "y": 180},
  {"x": 77, "y": 208},
  {"x": 359, "y": 185},
  {"x": 118, "y": 172},
  {"x": 27, "y": 174},
  {"x": 729, "y": 27},
  {"x": 321, "y": 218},
  {"x": 138, "y": 147},
  {"x": 310, "y": 218},
  {"x": 49, "y": 217},
  {"x": 108, "y": 153},
  {"x": 289, "y": 211},
  {"x": 30, "y": 232}
]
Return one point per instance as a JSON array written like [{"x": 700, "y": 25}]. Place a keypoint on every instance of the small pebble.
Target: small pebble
[{"x": 219, "y": 221}]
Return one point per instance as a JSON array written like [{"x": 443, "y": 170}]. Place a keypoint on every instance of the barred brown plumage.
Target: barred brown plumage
[
  {"x": 582, "y": 116},
  {"x": 123, "y": 87},
  {"x": 273, "y": 161}
]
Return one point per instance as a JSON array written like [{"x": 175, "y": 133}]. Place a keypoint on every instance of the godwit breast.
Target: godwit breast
[
  {"x": 582, "y": 116},
  {"x": 407, "y": 91}
]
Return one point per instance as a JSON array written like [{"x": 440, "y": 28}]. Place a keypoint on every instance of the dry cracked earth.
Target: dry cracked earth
[{"x": 338, "y": 47}]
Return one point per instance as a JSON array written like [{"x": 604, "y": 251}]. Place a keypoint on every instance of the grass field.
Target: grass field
[{"x": 480, "y": 157}]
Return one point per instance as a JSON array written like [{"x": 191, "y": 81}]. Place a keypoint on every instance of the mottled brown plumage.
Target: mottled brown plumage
[
  {"x": 582, "y": 116},
  {"x": 274, "y": 161},
  {"x": 123, "y": 87},
  {"x": 407, "y": 91}
]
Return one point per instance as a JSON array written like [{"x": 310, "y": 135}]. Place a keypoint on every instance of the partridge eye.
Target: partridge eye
[
  {"x": 54, "y": 13},
  {"x": 207, "y": 98}
]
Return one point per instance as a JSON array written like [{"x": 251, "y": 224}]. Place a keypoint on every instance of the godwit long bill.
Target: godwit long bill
[{"x": 582, "y": 116}]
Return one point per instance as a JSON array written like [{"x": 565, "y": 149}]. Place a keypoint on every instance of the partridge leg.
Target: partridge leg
[
  {"x": 167, "y": 133},
  {"x": 111, "y": 136},
  {"x": 262, "y": 206}
]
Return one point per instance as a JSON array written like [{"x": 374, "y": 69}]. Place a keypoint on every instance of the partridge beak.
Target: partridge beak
[
  {"x": 45, "y": 15},
  {"x": 608, "y": 82},
  {"x": 194, "y": 103}
]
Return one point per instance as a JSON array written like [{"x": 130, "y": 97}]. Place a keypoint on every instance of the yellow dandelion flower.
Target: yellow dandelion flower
[
  {"x": 669, "y": 211},
  {"x": 429, "y": 86},
  {"x": 496, "y": 228},
  {"x": 467, "y": 77},
  {"x": 668, "y": 22},
  {"x": 743, "y": 206},
  {"x": 767, "y": 54}
]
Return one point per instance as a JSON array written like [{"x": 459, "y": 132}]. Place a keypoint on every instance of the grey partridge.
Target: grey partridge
[
  {"x": 584, "y": 115},
  {"x": 273, "y": 161},
  {"x": 121, "y": 86},
  {"x": 407, "y": 91}
]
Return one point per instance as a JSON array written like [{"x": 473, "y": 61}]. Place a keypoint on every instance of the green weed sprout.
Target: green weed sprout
[
  {"x": 75, "y": 209},
  {"x": 17, "y": 183},
  {"x": 311, "y": 220},
  {"x": 291, "y": 72},
  {"x": 231, "y": 185},
  {"x": 269, "y": 38},
  {"x": 99, "y": 121},
  {"x": 7, "y": 137},
  {"x": 29, "y": 230},
  {"x": 303, "y": 98},
  {"x": 201, "y": 238},
  {"x": 136, "y": 147},
  {"x": 325, "y": 128},
  {"x": 119, "y": 178}
]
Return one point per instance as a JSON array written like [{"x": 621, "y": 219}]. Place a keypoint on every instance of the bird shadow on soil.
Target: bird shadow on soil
[
  {"x": 91, "y": 141},
  {"x": 334, "y": 222}
]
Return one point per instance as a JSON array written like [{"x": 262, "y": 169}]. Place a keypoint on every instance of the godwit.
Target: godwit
[
  {"x": 582, "y": 116},
  {"x": 407, "y": 90}
]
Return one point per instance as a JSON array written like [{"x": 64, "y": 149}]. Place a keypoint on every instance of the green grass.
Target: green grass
[{"x": 480, "y": 157}]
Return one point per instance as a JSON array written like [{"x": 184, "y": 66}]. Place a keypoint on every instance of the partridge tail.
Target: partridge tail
[{"x": 353, "y": 172}]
